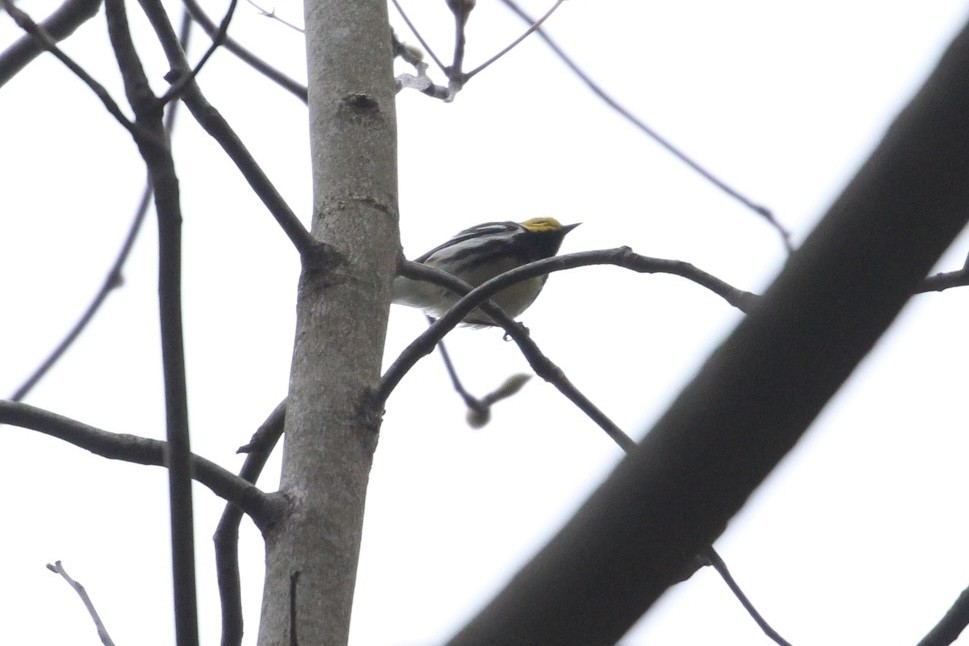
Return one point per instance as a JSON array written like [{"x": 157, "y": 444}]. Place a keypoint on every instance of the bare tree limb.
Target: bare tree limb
[
  {"x": 758, "y": 393},
  {"x": 218, "y": 39},
  {"x": 217, "y": 127},
  {"x": 424, "y": 344},
  {"x": 26, "y": 23},
  {"x": 457, "y": 77},
  {"x": 271, "y": 14},
  {"x": 417, "y": 34},
  {"x": 621, "y": 256},
  {"x": 149, "y": 113},
  {"x": 226, "y": 537},
  {"x": 479, "y": 408},
  {"x": 461, "y": 10},
  {"x": 422, "y": 82},
  {"x": 57, "y": 568},
  {"x": 267, "y": 435},
  {"x": 114, "y": 278},
  {"x": 535, "y": 26},
  {"x": 262, "y": 507},
  {"x": 293, "y": 87},
  {"x": 721, "y": 567},
  {"x": 59, "y": 25},
  {"x": 951, "y": 625}
]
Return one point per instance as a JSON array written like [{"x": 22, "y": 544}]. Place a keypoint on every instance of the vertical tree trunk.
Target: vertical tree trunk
[{"x": 311, "y": 555}]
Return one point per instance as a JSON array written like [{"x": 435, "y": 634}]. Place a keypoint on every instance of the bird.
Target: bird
[{"x": 480, "y": 253}]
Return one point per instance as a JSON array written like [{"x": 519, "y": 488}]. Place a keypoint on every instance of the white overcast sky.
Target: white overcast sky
[{"x": 859, "y": 537}]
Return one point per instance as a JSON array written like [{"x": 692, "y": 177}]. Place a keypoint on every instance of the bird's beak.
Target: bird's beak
[{"x": 568, "y": 227}]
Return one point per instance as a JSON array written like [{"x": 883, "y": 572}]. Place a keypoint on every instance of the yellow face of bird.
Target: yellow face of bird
[{"x": 540, "y": 225}]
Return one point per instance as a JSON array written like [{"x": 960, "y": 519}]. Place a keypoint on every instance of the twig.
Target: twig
[
  {"x": 226, "y": 537},
  {"x": 266, "y": 436},
  {"x": 217, "y": 127},
  {"x": 262, "y": 507},
  {"x": 161, "y": 169},
  {"x": 57, "y": 568},
  {"x": 425, "y": 343},
  {"x": 621, "y": 256},
  {"x": 535, "y": 26},
  {"x": 114, "y": 278},
  {"x": 59, "y": 25},
  {"x": 461, "y": 9},
  {"x": 760, "y": 210},
  {"x": 27, "y": 24},
  {"x": 112, "y": 281},
  {"x": 479, "y": 409},
  {"x": 293, "y": 87},
  {"x": 721, "y": 567},
  {"x": 272, "y": 14},
  {"x": 217, "y": 40},
  {"x": 470, "y": 400},
  {"x": 422, "y": 82},
  {"x": 420, "y": 39},
  {"x": 945, "y": 280}
]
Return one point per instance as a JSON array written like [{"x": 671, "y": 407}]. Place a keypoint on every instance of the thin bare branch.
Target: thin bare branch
[
  {"x": 217, "y": 40},
  {"x": 470, "y": 400},
  {"x": 424, "y": 344},
  {"x": 161, "y": 169},
  {"x": 226, "y": 537},
  {"x": 420, "y": 39},
  {"x": 721, "y": 567},
  {"x": 272, "y": 14},
  {"x": 57, "y": 568},
  {"x": 535, "y": 26},
  {"x": 44, "y": 39},
  {"x": 621, "y": 256},
  {"x": 479, "y": 409},
  {"x": 59, "y": 25},
  {"x": 461, "y": 9},
  {"x": 213, "y": 123},
  {"x": 293, "y": 87},
  {"x": 114, "y": 278},
  {"x": 760, "y": 210},
  {"x": 262, "y": 507},
  {"x": 421, "y": 82},
  {"x": 267, "y": 435}
]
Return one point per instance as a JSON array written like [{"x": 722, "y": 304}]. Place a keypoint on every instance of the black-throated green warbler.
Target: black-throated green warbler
[{"x": 480, "y": 253}]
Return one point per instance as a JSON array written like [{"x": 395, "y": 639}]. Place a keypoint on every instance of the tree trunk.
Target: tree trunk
[{"x": 343, "y": 302}]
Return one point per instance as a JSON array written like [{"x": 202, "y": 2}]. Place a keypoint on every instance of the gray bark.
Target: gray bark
[{"x": 342, "y": 308}]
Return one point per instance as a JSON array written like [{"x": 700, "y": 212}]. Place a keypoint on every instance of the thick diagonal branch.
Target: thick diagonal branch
[{"x": 758, "y": 393}]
